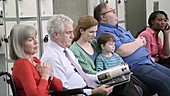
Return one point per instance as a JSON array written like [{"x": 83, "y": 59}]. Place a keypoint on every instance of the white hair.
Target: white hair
[{"x": 56, "y": 23}]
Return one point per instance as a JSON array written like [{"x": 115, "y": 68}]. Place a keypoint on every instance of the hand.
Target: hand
[
  {"x": 103, "y": 89},
  {"x": 153, "y": 59},
  {"x": 141, "y": 41},
  {"x": 44, "y": 70},
  {"x": 167, "y": 29}
]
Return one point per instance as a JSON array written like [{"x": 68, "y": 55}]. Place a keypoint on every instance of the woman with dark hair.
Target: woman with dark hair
[{"x": 160, "y": 52}]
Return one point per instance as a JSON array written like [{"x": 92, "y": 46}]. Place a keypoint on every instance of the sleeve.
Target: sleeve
[
  {"x": 56, "y": 84},
  {"x": 99, "y": 64},
  {"x": 58, "y": 70},
  {"x": 160, "y": 47},
  {"x": 118, "y": 41},
  {"x": 88, "y": 91},
  {"x": 23, "y": 70},
  {"x": 85, "y": 64},
  {"x": 148, "y": 41},
  {"x": 121, "y": 60}
]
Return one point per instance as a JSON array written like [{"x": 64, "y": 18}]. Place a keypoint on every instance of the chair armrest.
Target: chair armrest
[
  {"x": 146, "y": 90},
  {"x": 67, "y": 92}
]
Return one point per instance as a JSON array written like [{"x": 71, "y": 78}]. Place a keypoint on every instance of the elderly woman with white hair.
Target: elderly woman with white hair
[{"x": 31, "y": 76}]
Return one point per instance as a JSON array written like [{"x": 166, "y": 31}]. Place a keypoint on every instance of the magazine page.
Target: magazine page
[{"x": 115, "y": 76}]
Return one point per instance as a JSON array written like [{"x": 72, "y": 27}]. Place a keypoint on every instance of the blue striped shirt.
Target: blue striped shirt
[{"x": 103, "y": 63}]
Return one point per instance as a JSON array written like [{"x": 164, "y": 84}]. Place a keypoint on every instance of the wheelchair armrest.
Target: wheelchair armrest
[{"x": 67, "y": 92}]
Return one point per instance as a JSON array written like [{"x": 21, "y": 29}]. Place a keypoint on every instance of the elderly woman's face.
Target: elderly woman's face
[{"x": 31, "y": 44}]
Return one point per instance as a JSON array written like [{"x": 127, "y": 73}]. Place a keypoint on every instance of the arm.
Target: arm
[
  {"x": 105, "y": 90},
  {"x": 22, "y": 69},
  {"x": 149, "y": 45},
  {"x": 84, "y": 60},
  {"x": 127, "y": 49},
  {"x": 99, "y": 64},
  {"x": 56, "y": 84},
  {"x": 148, "y": 41},
  {"x": 166, "y": 49},
  {"x": 87, "y": 67},
  {"x": 58, "y": 71}
]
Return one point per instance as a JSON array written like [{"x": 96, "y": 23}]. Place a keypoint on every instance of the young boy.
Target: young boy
[{"x": 108, "y": 58}]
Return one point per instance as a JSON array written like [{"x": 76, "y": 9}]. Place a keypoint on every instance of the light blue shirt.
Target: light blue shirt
[{"x": 61, "y": 66}]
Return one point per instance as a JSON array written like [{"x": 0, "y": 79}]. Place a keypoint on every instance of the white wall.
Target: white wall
[
  {"x": 163, "y": 5},
  {"x": 0, "y": 5}
]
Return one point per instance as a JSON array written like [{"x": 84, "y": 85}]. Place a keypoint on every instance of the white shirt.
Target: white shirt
[{"x": 61, "y": 66}]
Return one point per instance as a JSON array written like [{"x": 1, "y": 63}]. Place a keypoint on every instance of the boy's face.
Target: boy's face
[{"x": 109, "y": 46}]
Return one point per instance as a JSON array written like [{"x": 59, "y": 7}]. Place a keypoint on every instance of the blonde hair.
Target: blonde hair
[{"x": 18, "y": 35}]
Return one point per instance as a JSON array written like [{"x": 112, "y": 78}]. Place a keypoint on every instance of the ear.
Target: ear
[
  {"x": 81, "y": 30},
  {"x": 152, "y": 22},
  {"x": 103, "y": 17},
  {"x": 102, "y": 46},
  {"x": 56, "y": 35}
]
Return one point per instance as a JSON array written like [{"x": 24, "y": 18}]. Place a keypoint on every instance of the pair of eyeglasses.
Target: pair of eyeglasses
[{"x": 113, "y": 10}]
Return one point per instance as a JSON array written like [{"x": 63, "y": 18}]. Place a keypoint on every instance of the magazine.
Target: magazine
[{"x": 115, "y": 76}]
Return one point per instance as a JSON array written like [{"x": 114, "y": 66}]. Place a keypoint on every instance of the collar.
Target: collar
[
  {"x": 108, "y": 25},
  {"x": 56, "y": 46},
  {"x": 150, "y": 30}
]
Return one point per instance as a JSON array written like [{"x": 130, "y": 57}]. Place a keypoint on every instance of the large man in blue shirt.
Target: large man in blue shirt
[{"x": 133, "y": 51}]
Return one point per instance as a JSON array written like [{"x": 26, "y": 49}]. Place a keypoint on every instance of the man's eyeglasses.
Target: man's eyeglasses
[{"x": 113, "y": 10}]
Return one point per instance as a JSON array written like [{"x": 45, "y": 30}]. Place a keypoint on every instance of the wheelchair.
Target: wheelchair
[{"x": 66, "y": 92}]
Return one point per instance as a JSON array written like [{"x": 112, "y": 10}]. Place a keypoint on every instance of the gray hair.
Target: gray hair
[
  {"x": 56, "y": 23},
  {"x": 18, "y": 35}
]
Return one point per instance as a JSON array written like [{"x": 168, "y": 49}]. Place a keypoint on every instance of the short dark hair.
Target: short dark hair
[
  {"x": 104, "y": 38},
  {"x": 154, "y": 15},
  {"x": 98, "y": 11}
]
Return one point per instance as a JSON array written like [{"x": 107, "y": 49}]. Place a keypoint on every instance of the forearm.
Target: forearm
[
  {"x": 87, "y": 68},
  {"x": 128, "y": 48},
  {"x": 166, "y": 50},
  {"x": 56, "y": 84}
]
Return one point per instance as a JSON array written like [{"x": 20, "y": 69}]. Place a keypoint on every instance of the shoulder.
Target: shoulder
[
  {"x": 147, "y": 33},
  {"x": 75, "y": 48},
  {"x": 100, "y": 57},
  {"x": 22, "y": 62},
  {"x": 51, "y": 52},
  {"x": 115, "y": 54}
]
